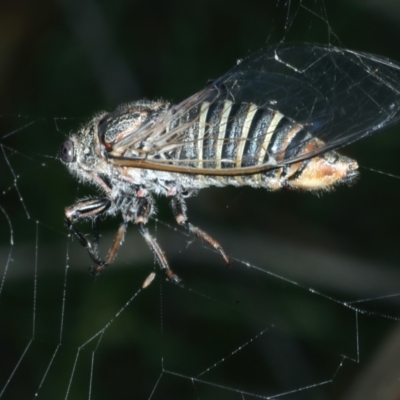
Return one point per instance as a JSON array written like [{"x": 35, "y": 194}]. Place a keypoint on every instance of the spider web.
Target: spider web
[{"x": 309, "y": 308}]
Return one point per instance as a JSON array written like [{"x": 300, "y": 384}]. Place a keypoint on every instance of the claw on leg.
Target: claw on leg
[{"x": 179, "y": 210}]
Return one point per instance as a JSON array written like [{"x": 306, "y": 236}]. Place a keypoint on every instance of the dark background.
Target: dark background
[{"x": 60, "y": 62}]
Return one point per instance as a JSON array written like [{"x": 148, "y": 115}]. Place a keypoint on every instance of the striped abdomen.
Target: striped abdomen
[{"x": 226, "y": 136}]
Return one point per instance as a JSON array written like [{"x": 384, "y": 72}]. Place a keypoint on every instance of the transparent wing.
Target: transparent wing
[
  {"x": 335, "y": 95},
  {"x": 338, "y": 95}
]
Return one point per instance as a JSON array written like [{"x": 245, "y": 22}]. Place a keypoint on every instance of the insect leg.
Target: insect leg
[
  {"x": 143, "y": 211},
  {"x": 96, "y": 235},
  {"x": 179, "y": 210},
  {"x": 160, "y": 256},
  {"x": 112, "y": 252},
  {"x": 83, "y": 210}
]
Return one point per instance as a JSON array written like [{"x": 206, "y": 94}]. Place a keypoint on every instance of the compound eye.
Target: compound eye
[{"x": 66, "y": 151}]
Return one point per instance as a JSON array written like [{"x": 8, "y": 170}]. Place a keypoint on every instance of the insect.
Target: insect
[{"x": 273, "y": 121}]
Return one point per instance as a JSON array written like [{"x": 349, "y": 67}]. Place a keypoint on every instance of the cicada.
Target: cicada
[{"x": 275, "y": 120}]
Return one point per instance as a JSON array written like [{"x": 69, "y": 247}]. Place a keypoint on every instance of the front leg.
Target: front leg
[{"x": 83, "y": 210}]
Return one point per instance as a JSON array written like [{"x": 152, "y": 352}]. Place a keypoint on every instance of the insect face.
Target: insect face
[{"x": 82, "y": 154}]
